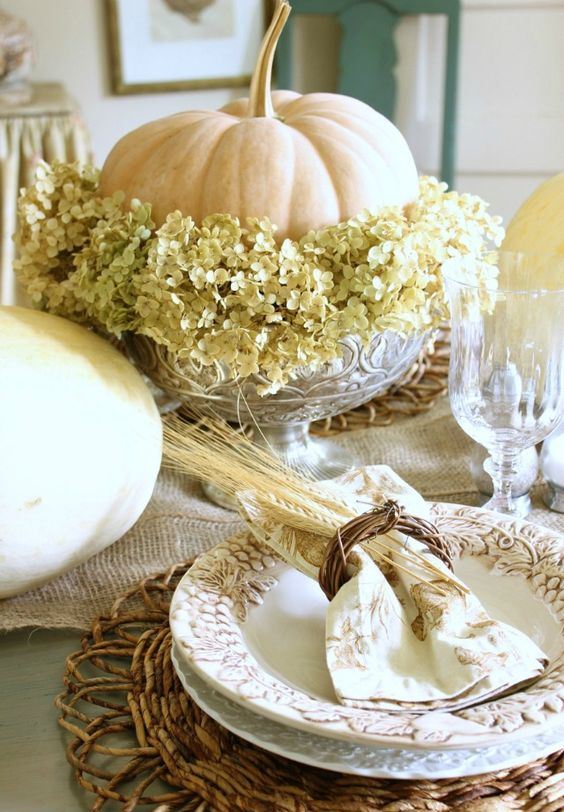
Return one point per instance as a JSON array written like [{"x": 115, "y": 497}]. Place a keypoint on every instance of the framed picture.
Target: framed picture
[{"x": 159, "y": 45}]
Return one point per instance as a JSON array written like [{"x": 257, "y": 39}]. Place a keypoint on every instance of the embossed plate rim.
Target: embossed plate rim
[
  {"x": 210, "y": 603},
  {"x": 369, "y": 760}
]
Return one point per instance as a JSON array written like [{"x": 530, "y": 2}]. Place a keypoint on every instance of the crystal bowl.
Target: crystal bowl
[{"x": 282, "y": 420}]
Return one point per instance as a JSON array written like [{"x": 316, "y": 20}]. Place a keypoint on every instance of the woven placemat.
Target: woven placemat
[{"x": 138, "y": 740}]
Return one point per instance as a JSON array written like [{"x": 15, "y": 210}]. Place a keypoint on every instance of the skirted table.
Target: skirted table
[{"x": 49, "y": 127}]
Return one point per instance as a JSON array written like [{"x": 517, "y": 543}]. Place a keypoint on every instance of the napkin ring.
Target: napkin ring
[{"x": 376, "y": 522}]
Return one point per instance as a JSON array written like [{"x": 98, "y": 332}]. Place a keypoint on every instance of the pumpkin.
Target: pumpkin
[
  {"x": 538, "y": 226},
  {"x": 303, "y": 161},
  {"x": 80, "y": 444}
]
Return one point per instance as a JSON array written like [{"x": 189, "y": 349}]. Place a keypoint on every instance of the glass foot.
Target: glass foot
[
  {"x": 218, "y": 497},
  {"x": 522, "y": 506},
  {"x": 314, "y": 457}
]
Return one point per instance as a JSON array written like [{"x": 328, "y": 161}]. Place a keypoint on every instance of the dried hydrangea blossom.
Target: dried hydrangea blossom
[{"x": 221, "y": 292}]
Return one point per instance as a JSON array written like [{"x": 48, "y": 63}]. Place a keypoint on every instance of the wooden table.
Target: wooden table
[{"x": 34, "y": 773}]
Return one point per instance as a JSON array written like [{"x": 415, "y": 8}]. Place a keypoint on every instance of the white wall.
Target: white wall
[
  {"x": 511, "y": 127},
  {"x": 511, "y": 97},
  {"x": 72, "y": 45},
  {"x": 511, "y": 93}
]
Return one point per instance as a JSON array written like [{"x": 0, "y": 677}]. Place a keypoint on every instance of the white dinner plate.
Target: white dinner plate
[
  {"x": 372, "y": 761},
  {"x": 253, "y": 628}
]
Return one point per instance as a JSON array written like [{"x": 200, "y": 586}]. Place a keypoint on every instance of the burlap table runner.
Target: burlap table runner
[{"x": 429, "y": 451}]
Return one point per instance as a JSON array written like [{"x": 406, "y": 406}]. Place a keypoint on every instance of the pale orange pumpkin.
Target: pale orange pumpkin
[{"x": 303, "y": 161}]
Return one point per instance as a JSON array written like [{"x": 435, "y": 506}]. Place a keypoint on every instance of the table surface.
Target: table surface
[{"x": 34, "y": 773}]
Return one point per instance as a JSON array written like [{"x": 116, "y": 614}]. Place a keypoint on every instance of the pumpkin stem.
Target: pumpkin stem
[{"x": 260, "y": 100}]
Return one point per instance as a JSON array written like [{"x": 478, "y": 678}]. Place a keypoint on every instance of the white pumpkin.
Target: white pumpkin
[{"x": 80, "y": 446}]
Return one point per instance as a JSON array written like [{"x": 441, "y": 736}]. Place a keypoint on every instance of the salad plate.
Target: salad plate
[
  {"x": 368, "y": 760},
  {"x": 253, "y": 629}
]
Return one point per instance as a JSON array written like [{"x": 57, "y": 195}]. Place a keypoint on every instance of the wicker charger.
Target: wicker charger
[{"x": 132, "y": 725}]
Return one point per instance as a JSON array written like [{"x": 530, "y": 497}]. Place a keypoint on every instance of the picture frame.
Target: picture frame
[{"x": 171, "y": 45}]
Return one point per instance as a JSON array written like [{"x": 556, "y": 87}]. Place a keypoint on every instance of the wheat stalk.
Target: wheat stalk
[
  {"x": 378, "y": 552},
  {"x": 266, "y": 489},
  {"x": 214, "y": 452}
]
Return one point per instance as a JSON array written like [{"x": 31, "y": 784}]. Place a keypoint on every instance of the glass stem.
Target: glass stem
[{"x": 502, "y": 468}]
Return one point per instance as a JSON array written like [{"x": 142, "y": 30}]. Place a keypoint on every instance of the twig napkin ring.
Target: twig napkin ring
[{"x": 376, "y": 522}]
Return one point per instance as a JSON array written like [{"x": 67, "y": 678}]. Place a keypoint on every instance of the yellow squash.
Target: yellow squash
[{"x": 538, "y": 226}]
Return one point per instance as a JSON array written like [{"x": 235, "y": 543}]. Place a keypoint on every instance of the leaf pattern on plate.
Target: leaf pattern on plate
[{"x": 215, "y": 596}]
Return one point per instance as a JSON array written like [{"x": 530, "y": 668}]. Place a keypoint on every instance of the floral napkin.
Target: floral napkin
[{"x": 393, "y": 641}]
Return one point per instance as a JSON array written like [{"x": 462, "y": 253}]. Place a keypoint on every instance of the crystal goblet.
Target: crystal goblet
[{"x": 506, "y": 377}]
